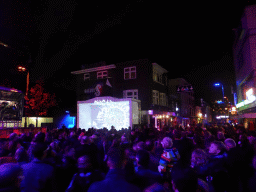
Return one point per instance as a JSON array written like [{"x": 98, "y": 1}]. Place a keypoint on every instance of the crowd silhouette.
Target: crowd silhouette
[{"x": 214, "y": 158}]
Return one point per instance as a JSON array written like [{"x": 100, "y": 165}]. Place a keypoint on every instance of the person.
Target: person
[
  {"x": 10, "y": 177},
  {"x": 38, "y": 176},
  {"x": 218, "y": 173},
  {"x": 82, "y": 180},
  {"x": 184, "y": 179},
  {"x": 144, "y": 177},
  {"x": 115, "y": 178},
  {"x": 169, "y": 157},
  {"x": 251, "y": 182},
  {"x": 21, "y": 156}
]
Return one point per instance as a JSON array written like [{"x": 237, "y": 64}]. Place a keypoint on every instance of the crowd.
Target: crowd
[{"x": 176, "y": 159}]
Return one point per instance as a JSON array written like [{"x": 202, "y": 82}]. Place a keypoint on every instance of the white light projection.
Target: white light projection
[{"x": 104, "y": 114}]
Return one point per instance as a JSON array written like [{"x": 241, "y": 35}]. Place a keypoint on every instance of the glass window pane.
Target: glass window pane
[
  {"x": 126, "y": 75},
  {"x": 133, "y": 75}
]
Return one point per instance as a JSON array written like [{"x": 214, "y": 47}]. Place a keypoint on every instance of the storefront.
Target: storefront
[
  {"x": 162, "y": 119},
  {"x": 247, "y": 109}
]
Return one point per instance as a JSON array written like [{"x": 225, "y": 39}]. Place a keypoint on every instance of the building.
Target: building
[
  {"x": 244, "y": 54},
  {"x": 181, "y": 94},
  {"x": 138, "y": 79}
]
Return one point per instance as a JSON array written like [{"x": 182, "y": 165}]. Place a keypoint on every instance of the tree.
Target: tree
[{"x": 39, "y": 101}]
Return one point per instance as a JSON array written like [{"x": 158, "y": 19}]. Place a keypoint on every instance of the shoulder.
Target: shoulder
[{"x": 97, "y": 186}]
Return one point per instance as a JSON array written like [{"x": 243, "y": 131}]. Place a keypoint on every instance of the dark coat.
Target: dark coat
[
  {"x": 113, "y": 182},
  {"x": 38, "y": 177}
]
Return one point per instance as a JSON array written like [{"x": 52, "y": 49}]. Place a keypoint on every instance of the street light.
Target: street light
[
  {"x": 23, "y": 69},
  {"x": 218, "y": 85}
]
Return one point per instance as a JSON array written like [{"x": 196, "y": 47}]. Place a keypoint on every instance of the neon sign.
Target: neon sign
[{"x": 249, "y": 99}]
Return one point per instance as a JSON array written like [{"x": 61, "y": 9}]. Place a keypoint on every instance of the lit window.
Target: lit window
[
  {"x": 130, "y": 72},
  {"x": 133, "y": 93},
  {"x": 86, "y": 76},
  {"x": 102, "y": 74},
  {"x": 157, "y": 77},
  {"x": 155, "y": 97}
]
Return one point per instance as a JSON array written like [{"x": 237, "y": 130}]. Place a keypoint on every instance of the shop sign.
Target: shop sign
[
  {"x": 249, "y": 99},
  {"x": 187, "y": 88},
  {"x": 97, "y": 90}
]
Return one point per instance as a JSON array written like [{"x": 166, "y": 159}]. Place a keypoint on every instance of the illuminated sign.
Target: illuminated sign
[
  {"x": 249, "y": 99},
  {"x": 221, "y": 117},
  {"x": 185, "y": 88},
  {"x": 97, "y": 90}
]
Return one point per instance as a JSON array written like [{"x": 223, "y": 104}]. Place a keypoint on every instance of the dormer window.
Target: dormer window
[
  {"x": 102, "y": 74},
  {"x": 86, "y": 76}
]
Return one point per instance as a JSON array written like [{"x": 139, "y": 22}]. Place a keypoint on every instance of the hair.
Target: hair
[
  {"x": 201, "y": 157},
  {"x": 220, "y": 145},
  {"x": 176, "y": 134},
  {"x": 185, "y": 179},
  {"x": 167, "y": 142},
  {"x": 198, "y": 141},
  {"x": 141, "y": 145},
  {"x": 155, "y": 188},
  {"x": 21, "y": 155},
  {"x": 116, "y": 157},
  {"x": 230, "y": 143},
  {"x": 149, "y": 145},
  {"x": 38, "y": 149},
  {"x": 220, "y": 135},
  {"x": 39, "y": 137},
  {"x": 86, "y": 161},
  {"x": 143, "y": 158}
]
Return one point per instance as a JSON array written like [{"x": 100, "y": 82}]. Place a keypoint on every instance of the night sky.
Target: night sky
[{"x": 191, "y": 40}]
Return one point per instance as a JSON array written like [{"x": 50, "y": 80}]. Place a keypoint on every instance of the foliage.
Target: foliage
[{"x": 38, "y": 101}]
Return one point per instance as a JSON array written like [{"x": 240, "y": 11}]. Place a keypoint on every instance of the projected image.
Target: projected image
[{"x": 104, "y": 114}]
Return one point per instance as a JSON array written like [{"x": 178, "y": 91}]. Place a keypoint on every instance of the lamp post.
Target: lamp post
[
  {"x": 23, "y": 69},
  {"x": 218, "y": 85}
]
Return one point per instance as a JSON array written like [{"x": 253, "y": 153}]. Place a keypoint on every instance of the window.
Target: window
[
  {"x": 102, "y": 74},
  {"x": 86, "y": 76},
  {"x": 130, "y": 72},
  {"x": 133, "y": 93},
  {"x": 157, "y": 77},
  {"x": 155, "y": 97},
  {"x": 163, "y": 99}
]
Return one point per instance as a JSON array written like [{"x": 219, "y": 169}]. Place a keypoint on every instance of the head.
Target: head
[
  {"x": 10, "y": 175},
  {"x": 85, "y": 140},
  {"x": 141, "y": 146},
  {"x": 149, "y": 145},
  {"x": 199, "y": 157},
  {"x": 38, "y": 150},
  {"x": 115, "y": 158},
  {"x": 167, "y": 143},
  {"x": 216, "y": 147},
  {"x": 184, "y": 179},
  {"x": 143, "y": 158},
  {"x": 84, "y": 163},
  {"x": 176, "y": 134},
  {"x": 156, "y": 188},
  {"x": 230, "y": 143},
  {"x": 220, "y": 135},
  {"x": 39, "y": 137},
  {"x": 12, "y": 136},
  {"x": 21, "y": 155},
  {"x": 72, "y": 134}
]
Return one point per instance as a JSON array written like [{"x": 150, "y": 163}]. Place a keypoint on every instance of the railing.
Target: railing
[{"x": 5, "y": 132}]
